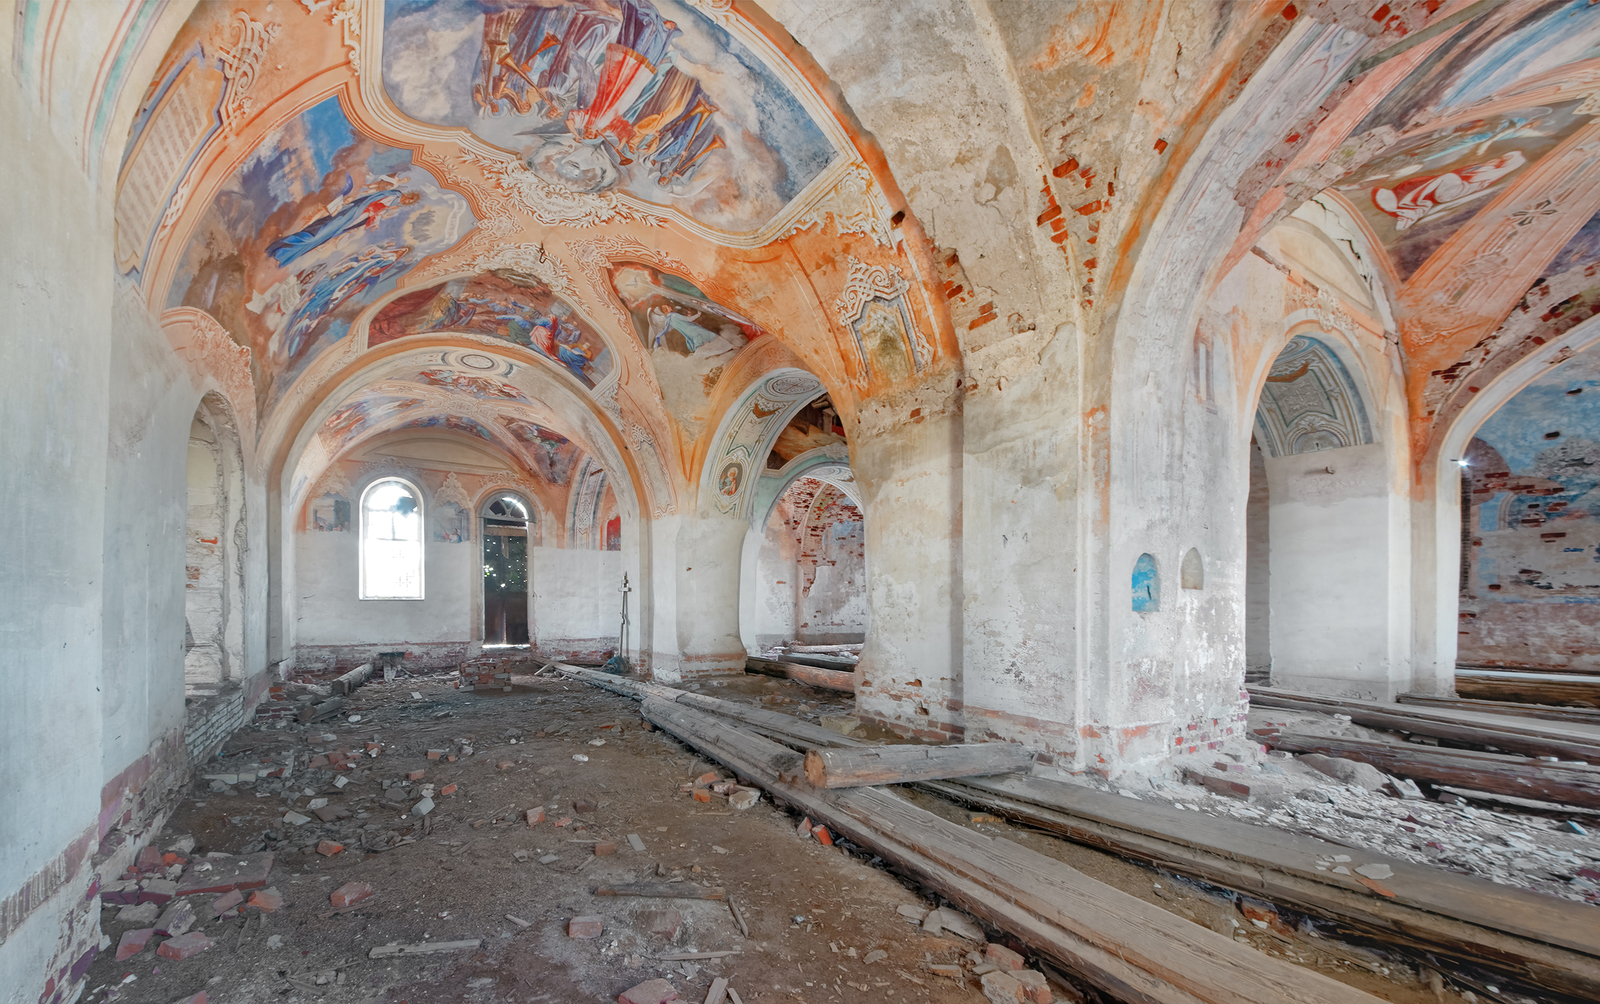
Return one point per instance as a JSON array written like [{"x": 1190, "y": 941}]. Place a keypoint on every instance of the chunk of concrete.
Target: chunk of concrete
[
  {"x": 655, "y": 991},
  {"x": 1351, "y": 772},
  {"x": 143, "y": 913},
  {"x": 1003, "y": 988},
  {"x": 177, "y": 918}
]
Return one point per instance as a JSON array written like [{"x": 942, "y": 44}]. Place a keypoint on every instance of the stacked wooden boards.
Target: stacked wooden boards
[
  {"x": 1539, "y": 941},
  {"x": 1572, "y": 777},
  {"x": 1544, "y": 942},
  {"x": 1546, "y": 712},
  {"x": 1126, "y": 947}
]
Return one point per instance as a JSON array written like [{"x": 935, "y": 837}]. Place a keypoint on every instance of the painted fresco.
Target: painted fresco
[
  {"x": 317, "y": 223},
  {"x": 1477, "y": 64},
  {"x": 1532, "y": 596},
  {"x": 452, "y": 423},
  {"x": 358, "y": 416},
  {"x": 551, "y": 454},
  {"x": 501, "y": 304},
  {"x": 690, "y": 338},
  {"x": 481, "y": 387},
  {"x": 883, "y": 332},
  {"x": 329, "y": 514},
  {"x": 1420, "y": 191},
  {"x": 452, "y": 524},
  {"x": 651, "y": 99}
]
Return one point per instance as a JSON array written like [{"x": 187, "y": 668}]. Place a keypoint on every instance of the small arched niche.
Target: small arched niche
[
  {"x": 1192, "y": 575},
  {"x": 1146, "y": 585}
]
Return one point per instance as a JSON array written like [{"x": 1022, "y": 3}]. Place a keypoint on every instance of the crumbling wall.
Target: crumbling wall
[{"x": 1532, "y": 597}]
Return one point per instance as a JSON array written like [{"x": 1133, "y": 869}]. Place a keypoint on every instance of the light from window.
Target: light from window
[{"x": 391, "y": 542}]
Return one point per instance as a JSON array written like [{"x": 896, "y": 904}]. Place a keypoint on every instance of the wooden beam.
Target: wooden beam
[
  {"x": 1574, "y": 784},
  {"x": 1129, "y": 948},
  {"x": 900, "y": 764},
  {"x": 815, "y": 676},
  {"x": 1526, "y": 688},
  {"x": 1547, "y": 942},
  {"x": 1511, "y": 736},
  {"x": 1545, "y": 712},
  {"x": 663, "y": 890},
  {"x": 353, "y": 679}
]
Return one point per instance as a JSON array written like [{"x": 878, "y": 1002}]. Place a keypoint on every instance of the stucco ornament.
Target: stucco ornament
[
  {"x": 856, "y": 205},
  {"x": 1328, "y": 308},
  {"x": 213, "y": 352},
  {"x": 452, "y": 491},
  {"x": 865, "y": 282},
  {"x": 528, "y": 259},
  {"x": 553, "y": 205},
  {"x": 343, "y": 14},
  {"x": 241, "y": 61},
  {"x": 644, "y": 446}
]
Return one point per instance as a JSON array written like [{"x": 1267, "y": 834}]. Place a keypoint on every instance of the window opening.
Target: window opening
[
  {"x": 505, "y": 571},
  {"x": 391, "y": 541}
]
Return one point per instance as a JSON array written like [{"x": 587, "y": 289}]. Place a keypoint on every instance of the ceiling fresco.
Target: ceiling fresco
[
  {"x": 648, "y": 99},
  {"x": 504, "y": 304},
  {"x": 317, "y": 223},
  {"x": 689, "y": 337}
]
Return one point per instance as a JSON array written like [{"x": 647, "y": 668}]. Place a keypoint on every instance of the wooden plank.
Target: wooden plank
[
  {"x": 1545, "y": 712},
  {"x": 851, "y": 649},
  {"x": 353, "y": 679},
  {"x": 1581, "y": 692},
  {"x": 815, "y": 676},
  {"x": 663, "y": 890},
  {"x": 900, "y": 764},
  {"x": 1194, "y": 961},
  {"x": 424, "y": 948},
  {"x": 785, "y": 728},
  {"x": 1513, "y": 737},
  {"x": 1574, "y": 784},
  {"x": 1549, "y": 942}
]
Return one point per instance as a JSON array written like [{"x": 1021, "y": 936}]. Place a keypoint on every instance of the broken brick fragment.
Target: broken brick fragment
[
  {"x": 266, "y": 900},
  {"x": 586, "y": 927},
  {"x": 184, "y": 946},
  {"x": 535, "y": 816},
  {"x": 702, "y": 795},
  {"x": 133, "y": 942},
  {"x": 604, "y": 848},
  {"x": 1002, "y": 957},
  {"x": 350, "y": 894},
  {"x": 227, "y": 901},
  {"x": 328, "y": 848},
  {"x": 449, "y": 789}
]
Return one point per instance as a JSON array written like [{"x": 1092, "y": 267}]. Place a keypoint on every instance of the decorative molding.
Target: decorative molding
[
  {"x": 719, "y": 11},
  {"x": 452, "y": 492},
  {"x": 594, "y": 257},
  {"x": 644, "y": 447},
  {"x": 346, "y": 15},
  {"x": 213, "y": 353},
  {"x": 856, "y": 205},
  {"x": 552, "y": 205},
  {"x": 528, "y": 259},
  {"x": 1328, "y": 308},
  {"x": 866, "y": 282},
  {"x": 241, "y": 62}
]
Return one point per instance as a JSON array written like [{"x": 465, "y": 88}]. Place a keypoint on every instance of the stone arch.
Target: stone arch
[{"x": 214, "y": 548}]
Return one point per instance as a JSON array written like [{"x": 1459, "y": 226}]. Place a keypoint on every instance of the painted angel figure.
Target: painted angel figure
[{"x": 1415, "y": 199}]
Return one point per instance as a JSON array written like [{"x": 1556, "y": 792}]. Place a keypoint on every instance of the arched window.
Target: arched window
[
  {"x": 391, "y": 541},
  {"x": 1146, "y": 585}
]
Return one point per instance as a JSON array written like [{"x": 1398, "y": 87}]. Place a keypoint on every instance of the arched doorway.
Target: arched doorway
[
  {"x": 809, "y": 583},
  {"x": 213, "y": 642},
  {"x": 506, "y": 518},
  {"x": 1325, "y": 545}
]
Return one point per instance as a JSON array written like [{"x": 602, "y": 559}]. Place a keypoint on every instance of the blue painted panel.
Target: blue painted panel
[{"x": 1146, "y": 585}]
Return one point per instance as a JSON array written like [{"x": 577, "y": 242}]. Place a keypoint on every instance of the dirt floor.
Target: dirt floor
[{"x": 817, "y": 916}]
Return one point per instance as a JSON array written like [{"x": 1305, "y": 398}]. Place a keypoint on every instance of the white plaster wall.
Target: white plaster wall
[
  {"x": 55, "y": 366},
  {"x": 1258, "y": 569},
  {"x": 329, "y": 610},
  {"x": 775, "y": 586},
  {"x": 1340, "y": 619},
  {"x": 576, "y": 602},
  {"x": 833, "y": 611}
]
